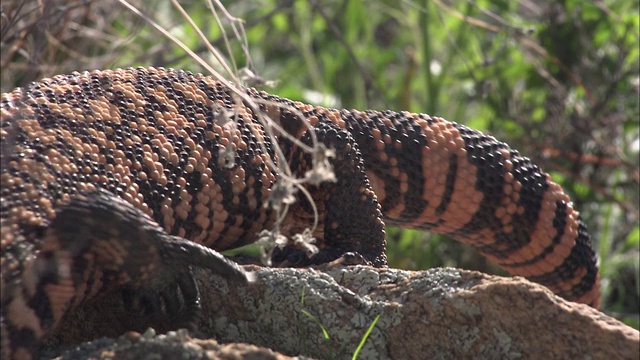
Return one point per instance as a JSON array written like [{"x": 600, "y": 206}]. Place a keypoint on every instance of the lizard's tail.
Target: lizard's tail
[{"x": 436, "y": 175}]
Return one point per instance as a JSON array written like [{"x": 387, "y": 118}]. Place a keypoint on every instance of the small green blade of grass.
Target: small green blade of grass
[
  {"x": 365, "y": 337},
  {"x": 324, "y": 331}
]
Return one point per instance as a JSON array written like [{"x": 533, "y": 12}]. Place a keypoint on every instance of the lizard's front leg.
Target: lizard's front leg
[{"x": 100, "y": 243}]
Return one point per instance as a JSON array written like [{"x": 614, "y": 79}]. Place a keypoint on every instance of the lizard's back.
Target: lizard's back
[{"x": 150, "y": 137}]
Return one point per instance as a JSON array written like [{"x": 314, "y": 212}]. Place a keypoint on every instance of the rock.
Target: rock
[
  {"x": 437, "y": 313},
  {"x": 173, "y": 345}
]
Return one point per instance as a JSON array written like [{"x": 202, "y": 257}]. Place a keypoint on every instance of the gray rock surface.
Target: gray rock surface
[{"x": 438, "y": 313}]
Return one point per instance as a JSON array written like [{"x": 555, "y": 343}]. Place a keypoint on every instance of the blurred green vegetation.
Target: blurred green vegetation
[{"x": 557, "y": 80}]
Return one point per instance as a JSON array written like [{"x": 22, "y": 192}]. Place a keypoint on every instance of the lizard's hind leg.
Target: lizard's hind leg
[{"x": 351, "y": 228}]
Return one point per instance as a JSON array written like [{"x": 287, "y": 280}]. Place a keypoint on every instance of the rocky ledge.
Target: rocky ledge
[{"x": 438, "y": 313}]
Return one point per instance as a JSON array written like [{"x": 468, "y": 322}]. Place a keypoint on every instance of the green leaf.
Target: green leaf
[{"x": 633, "y": 239}]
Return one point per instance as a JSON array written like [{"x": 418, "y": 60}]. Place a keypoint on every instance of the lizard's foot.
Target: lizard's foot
[
  {"x": 292, "y": 257},
  {"x": 171, "y": 302}
]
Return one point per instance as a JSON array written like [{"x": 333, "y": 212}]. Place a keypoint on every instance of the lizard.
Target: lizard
[{"x": 126, "y": 178}]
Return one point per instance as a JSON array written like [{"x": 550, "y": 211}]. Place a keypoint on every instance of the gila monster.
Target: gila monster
[{"x": 128, "y": 177}]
